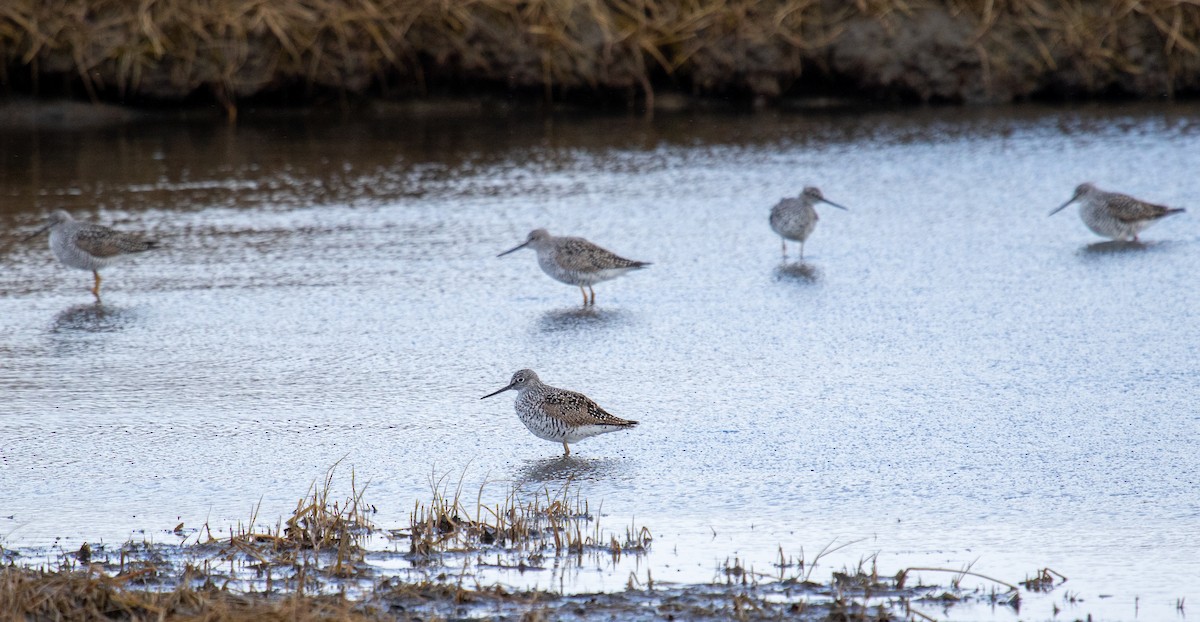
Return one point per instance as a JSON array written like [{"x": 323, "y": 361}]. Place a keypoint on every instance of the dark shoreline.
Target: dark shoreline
[{"x": 668, "y": 57}]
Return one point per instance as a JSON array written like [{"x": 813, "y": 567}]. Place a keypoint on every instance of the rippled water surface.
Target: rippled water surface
[{"x": 951, "y": 378}]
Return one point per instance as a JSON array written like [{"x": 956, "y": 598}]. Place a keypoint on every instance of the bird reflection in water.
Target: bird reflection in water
[
  {"x": 91, "y": 318},
  {"x": 562, "y": 469},
  {"x": 798, "y": 271},
  {"x": 1114, "y": 247},
  {"x": 575, "y": 318}
]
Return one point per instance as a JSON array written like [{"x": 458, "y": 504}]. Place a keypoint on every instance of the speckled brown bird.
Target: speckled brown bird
[
  {"x": 557, "y": 414},
  {"x": 794, "y": 218},
  {"x": 1114, "y": 215},
  {"x": 576, "y": 261},
  {"x": 87, "y": 246}
]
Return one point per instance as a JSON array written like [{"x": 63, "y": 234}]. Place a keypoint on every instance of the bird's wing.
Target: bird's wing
[
  {"x": 100, "y": 241},
  {"x": 784, "y": 206},
  {"x": 578, "y": 409},
  {"x": 1128, "y": 209},
  {"x": 583, "y": 256},
  {"x": 785, "y": 203}
]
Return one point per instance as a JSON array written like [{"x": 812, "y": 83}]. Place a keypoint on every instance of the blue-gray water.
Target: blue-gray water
[{"x": 953, "y": 377}]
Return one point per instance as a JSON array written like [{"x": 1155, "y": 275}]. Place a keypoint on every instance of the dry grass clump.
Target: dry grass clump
[
  {"x": 1044, "y": 580},
  {"x": 169, "y": 49},
  {"x": 1147, "y": 47},
  {"x": 320, "y": 525},
  {"x": 552, "y": 522},
  {"x": 89, "y": 595}
]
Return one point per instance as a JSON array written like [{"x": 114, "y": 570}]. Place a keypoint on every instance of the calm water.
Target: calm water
[{"x": 952, "y": 378}]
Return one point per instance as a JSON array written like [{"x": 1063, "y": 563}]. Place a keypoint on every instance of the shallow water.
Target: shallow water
[{"x": 950, "y": 378}]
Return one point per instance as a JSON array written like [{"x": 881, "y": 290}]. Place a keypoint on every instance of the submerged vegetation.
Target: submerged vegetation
[
  {"x": 954, "y": 50},
  {"x": 319, "y": 564}
]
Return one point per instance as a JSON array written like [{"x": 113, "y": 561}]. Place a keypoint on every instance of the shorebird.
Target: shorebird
[
  {"x": 557, "y": 414},
  {"x": 86, "y": 246},
  {"x": 576, "y": 261},
  {"x": 795, "y": 219},
  {"x": 1114, "y": 215}
]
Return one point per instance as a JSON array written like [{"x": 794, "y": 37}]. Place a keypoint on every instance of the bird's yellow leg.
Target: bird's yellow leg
[
  {"x": 584, "y": 292},
  {"x": 566, "y": 449},
  {"x": 96, "y": 287},
  {"x": 593, "y": 303}
]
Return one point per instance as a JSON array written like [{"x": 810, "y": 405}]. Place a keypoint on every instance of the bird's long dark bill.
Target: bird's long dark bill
[
  {"x": 511, "y": 250},
  {"x": 497, "y": 392},
  {"x": 37, "y": 233},
  {"x": 1060, "y": 207},
  {"x": 835, "y": 204}
]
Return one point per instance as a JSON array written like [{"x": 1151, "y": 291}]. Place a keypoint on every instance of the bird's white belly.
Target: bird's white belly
[
  {"x": 578, "y": 433},
  {"x": 1104, "y": 224},
  {"x": 545, "y": 430},
  {"x": 558, "y": 432},
  {"x": 576, "y": 277},
  {"x": 540, "y": 425}
]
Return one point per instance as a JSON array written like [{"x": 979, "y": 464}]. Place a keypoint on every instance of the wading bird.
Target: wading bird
[
  {"x": 794, "y": 218},
  {"x": 86, "y": 246},
  {"x": 1114, "y": 215},
  {"x": 576, "y": 261},
  {"x": 557, "y": 414}
]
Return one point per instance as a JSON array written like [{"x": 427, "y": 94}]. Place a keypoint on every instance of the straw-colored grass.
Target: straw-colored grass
[
  {"x": 27, "y": 594},
  {"x": 230, "y": 49},
  {"x": 319, "y": 525},
  {"x": 554, "y": 523}
]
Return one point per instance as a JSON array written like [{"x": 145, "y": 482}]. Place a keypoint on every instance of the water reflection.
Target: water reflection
[
  {"x": 91, "y": 318},
  {"x": 560, "y": 469},
  {"x": 1114, "y": 247},
  {"x": 1123, "y": 247},
  {"x": 798, "y": 271},
  {"x": 576, "y": 318}
]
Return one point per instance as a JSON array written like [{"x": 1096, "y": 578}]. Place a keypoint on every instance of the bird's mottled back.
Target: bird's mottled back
[
  {"x": 1128, "y": 209},
  {"x": 100, "y": 241},
  {"x": 578, "y": 254},
  {"x": 576, "y": 409}
]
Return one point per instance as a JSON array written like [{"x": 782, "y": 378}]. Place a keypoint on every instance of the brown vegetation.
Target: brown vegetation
[
  {"x": 27, "y": 594},
  {"x": 959, "y": 50},
  {"x": 318, "y": 559}
]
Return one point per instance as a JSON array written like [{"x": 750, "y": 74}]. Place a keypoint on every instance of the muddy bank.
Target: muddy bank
[
  {"x": 932, "y": 50},
  {"x": 232, "y": 581},
  {"x": 330, "y": 561}
]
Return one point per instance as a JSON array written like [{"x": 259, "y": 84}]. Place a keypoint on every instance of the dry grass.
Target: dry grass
[
  {"x": 320, "y": 528},
  {"x": 168, "y": 49},
  {"x": 91, "y": 595},
  {"x": 552, "y": 523}
]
